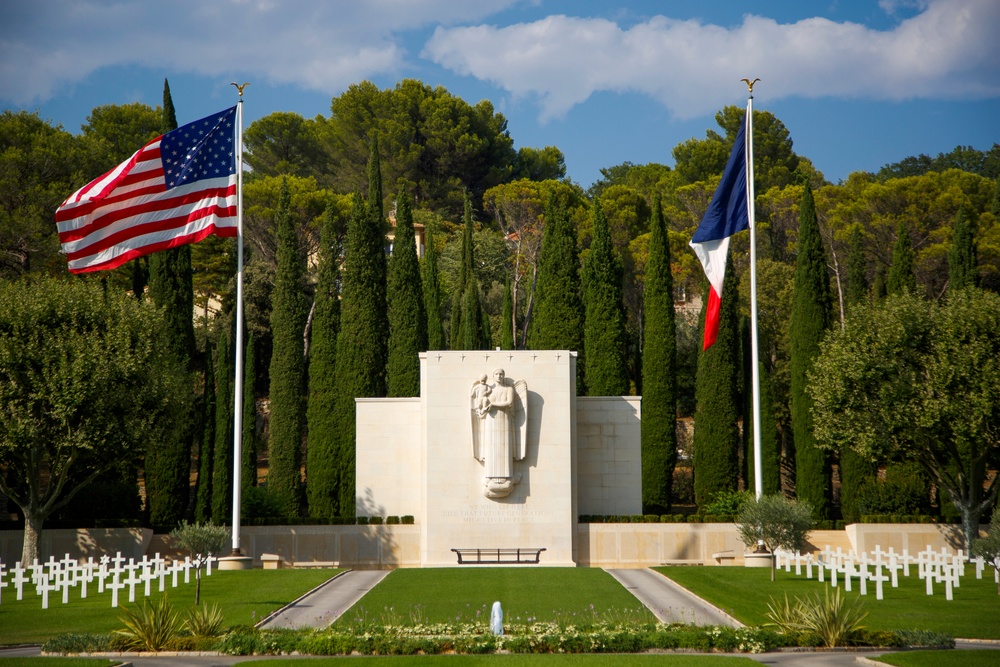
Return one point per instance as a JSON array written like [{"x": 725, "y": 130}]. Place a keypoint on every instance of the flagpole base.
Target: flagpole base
[{"x": 236, "y": 561}]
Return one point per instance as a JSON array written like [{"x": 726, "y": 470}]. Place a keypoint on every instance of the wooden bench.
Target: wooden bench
[{"x": 498, "y": 556}]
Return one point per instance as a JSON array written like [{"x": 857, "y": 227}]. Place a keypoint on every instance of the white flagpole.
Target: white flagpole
[
  {"x": 238, "y": 384},
  {"x": 758, "y": 475}
]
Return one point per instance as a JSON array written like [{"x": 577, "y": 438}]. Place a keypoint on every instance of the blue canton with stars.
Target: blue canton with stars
[{"x": 199, "y": 150}]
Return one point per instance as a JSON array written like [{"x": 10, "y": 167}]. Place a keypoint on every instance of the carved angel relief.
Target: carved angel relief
[{"x": 499, "y": 414}]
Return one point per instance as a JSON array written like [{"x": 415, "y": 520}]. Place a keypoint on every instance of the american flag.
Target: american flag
[{"x": 177, "y": 189}]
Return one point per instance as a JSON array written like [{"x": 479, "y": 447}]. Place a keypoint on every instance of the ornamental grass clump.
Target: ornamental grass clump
[
  {"x": 832, "y": 619},
  {"x": 150, "y": 626}
]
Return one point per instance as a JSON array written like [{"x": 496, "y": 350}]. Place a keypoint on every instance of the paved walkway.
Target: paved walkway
[
  {"x": 669, "y": 602},
  {"x": 325, "y": 604}
]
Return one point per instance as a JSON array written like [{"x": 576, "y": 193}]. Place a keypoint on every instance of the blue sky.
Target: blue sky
[{"x": 858, "y": 83}]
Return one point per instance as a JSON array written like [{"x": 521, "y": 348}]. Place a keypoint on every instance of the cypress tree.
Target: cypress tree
[
  {"x": 901, "y": 277},
  {"x": 248, "y": 442},
  {"x": 361, "y": 343},
  {"x": 322, "y": 471},
  {"x": 222, "y": 451},
  {"x": 855, "y": 471},
  {"x": 879, "y": 288},
  {"x": 557, "y": 323},
  {"x": 168, "y": 464},
  {"x": 857, "y": 280},
  {"x": 469, "y": 328},
  {"x": 507, "y": 318},
  {"x": 604, "y": 331},
  {"x": 812, "y": 314},
  {"x": 407, "y": 319},
  {"x": 716, "y": 432},
  {"x": 203, "y": 489},
  {"x": 432, "y": 295},
  {"x": 963, "y": 264},
  {"x": 287, "y": 370},
  {"x": 659, "y": 372}
]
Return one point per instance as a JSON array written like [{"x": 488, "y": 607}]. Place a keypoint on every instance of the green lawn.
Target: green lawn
[
  {"x": 745, "y": 592},
  {"x": 57, "y": 662},
  {"x": 450, "y": 595},
  {"x": 244, "y": 597},
  {"x": 976, "y": 658},
  {"x": 548, "y": 660}
]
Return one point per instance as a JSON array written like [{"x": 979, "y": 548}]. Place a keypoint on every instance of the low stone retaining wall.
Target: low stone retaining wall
[{"x": 616, "y": 545}]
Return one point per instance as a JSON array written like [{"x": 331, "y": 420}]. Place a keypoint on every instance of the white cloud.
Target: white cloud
[
  {"x": 318, "y": 44},
  {"x": 949, "y": 50}
]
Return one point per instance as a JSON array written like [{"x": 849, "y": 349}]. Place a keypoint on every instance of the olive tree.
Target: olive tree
[
  {"x": 774, "y": 522},
  {"x": 988, "y": 548},
  {"x": 86, "y": 383},
  {"x": 918, "y": 380},
  {"x": 201, "y": 540}
]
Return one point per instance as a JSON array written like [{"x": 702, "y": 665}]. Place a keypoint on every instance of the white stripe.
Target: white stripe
[
  {"x": 712, "y": 255},
  {"x": 96, "y": 215},
  {"x": 143, "y": 240},
  {"x": 98, "y": 184}
]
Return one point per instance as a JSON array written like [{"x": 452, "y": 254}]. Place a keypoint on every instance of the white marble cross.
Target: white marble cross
[
  {"x": 132, "y": 580},
  {"x": 3, "y": 584},
  {"x": 114, "y": 585},
  {"x": 19, "y": 580},
  {"x": 878, "y": 578}
]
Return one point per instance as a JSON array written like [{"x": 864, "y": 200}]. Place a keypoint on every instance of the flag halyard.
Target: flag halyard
[{"x": 179, "y": 188}]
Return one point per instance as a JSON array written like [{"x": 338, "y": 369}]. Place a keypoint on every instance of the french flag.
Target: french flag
[{"x": 727, "y": 214}]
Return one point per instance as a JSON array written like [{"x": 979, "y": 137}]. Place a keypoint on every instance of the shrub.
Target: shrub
[
  {"x": 149, "y": 627},
  {"x": 726, "y": 503},
  {"x": 832, "y": 619},
  {"x": 204, "y": 621},
  {"x": 903, "y": 491},
  {"x": 406, "y": 520},
  {"x": 374, "y": 521},
  {"x": 257, "y": 502},
  {"x": 392, "y": 520}
]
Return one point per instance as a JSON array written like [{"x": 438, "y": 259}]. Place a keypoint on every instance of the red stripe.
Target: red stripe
[
  {"x": 225, "y": 232},
  {"x": 144, "y": 154},
  {"x": 190, "y": 199},
  {"x": 93, "y": 207},
  {"x": 711, "y": 318},
  {"x": 151, "y": 227}
]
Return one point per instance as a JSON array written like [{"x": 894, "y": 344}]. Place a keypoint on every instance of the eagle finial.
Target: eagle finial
[
  {"x": 750, "y": 84},
  {"x": 240, "y": 88}
]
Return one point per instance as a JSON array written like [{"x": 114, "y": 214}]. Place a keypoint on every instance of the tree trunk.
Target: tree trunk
[{"x": 32, "y": 534}]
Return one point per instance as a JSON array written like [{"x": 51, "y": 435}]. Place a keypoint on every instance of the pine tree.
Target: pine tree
[
  {"x": 857, "y": 281},
  {"x": 604, "y": 332},
  {"x": 812, "y": 314},
  {"x": 407, "y": 319},
  {"x": 659, "y": 372},
  {"x": 716, "y": 432},
  {"x": 963, "y": 263},
  {"x": 507, "y": 318},
  {"x": 901, "y": 277},
  {"x": 168, "y": 464},
  {"x": 287, "y": 369},
  {"x": 322, "y": 470},
  {"x": 203, "y": 489},
  {"x": 248, "y": 443},
  {"x": 558, "y": 320},
  {"x": 222, "y": 450},
  {"x": 432, "y": 295},
  {"x": 361, "y": 343}
]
